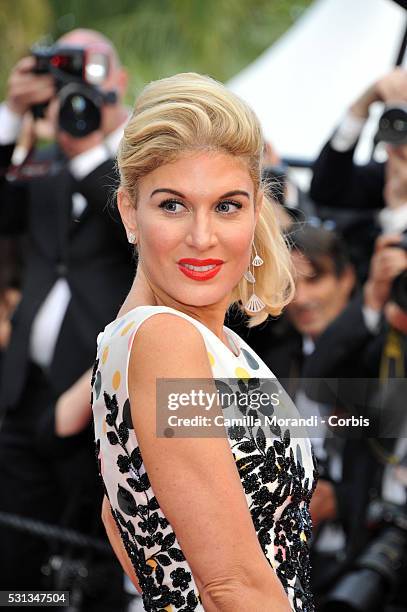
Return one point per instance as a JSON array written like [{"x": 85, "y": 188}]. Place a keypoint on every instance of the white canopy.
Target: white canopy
[{"x": 301, "y": 86}]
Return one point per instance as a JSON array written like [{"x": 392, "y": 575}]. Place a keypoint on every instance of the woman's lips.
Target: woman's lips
[{"x": 200, "y": 269}]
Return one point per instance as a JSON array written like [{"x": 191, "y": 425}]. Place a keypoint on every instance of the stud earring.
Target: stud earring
[
  {"x": 131, "y": 237},
  {"x": 254, "y": 303}
]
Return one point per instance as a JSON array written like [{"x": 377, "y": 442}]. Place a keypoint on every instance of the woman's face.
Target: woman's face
[{"x": 194, "y": 225}]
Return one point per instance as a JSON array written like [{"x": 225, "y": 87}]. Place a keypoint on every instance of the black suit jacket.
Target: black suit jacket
[
  {"x": 349, "y": 194},
  {"x": 346, "y": 350},
  {"x": 340, "y": 183},
  {"x": 91, "y": 252}
]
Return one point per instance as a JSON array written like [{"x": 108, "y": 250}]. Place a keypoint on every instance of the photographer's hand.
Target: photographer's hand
[
  {"x": 73, "y": 410},
  {"x": 323, "y": 505},
  {"x": 396, "y": 316},
  {"x": 388, "y": 261},
  {"x": 395, "y": 188},
  {"x": 392, "y": 87},
  {"x": 25, "y": 88}
]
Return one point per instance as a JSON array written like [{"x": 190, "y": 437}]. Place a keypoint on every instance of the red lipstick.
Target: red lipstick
[{"x": 195, "y": 273}]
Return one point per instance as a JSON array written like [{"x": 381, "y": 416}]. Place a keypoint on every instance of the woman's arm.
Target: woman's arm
[
  {"x": 196, "y": 481},
  {"x": 116, "y": 542}
]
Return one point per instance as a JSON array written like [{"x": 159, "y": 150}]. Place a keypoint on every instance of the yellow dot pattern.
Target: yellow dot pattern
[
  {"x": 242, "y": 373},
  {"x": 105, "y": 354},
  {"x": 127, "y": 328},
  {"x": 211, "y": 359},
  {"x": 151, "y": 563},
  {"x": 116, "y": 380}
]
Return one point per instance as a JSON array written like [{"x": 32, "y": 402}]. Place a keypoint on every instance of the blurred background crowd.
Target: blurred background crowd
[{"x": 328, "y": 80}]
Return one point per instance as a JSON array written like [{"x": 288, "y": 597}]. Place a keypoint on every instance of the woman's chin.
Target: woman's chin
[{"x": 200, "y": 297}]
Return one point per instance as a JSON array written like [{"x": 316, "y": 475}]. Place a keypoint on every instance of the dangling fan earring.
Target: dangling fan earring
[{"x": 254, "y": 303}]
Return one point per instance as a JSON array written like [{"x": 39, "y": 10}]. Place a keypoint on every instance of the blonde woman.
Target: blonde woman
[{"x": 198, "y": 523}]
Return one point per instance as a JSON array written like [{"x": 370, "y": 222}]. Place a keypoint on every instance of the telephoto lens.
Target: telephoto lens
[
  {"x": 79, "y": 113},
  {"x": 393, "y": 125},
  {"x": 374, "y": 577}
]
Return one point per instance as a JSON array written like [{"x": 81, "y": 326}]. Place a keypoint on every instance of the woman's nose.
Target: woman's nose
[{"x": 201, "y": 233}]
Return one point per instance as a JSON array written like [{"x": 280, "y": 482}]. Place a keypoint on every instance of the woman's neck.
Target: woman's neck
[{"x": 142, "y": 294}]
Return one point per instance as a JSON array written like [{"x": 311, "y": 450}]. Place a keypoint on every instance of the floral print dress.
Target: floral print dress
[{"x": 277, "y": 472}]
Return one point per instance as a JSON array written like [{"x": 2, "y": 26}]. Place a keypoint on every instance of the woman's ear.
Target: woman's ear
[{"x": 128, "y": 215}]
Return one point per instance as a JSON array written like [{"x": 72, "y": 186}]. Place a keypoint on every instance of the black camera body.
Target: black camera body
[
  {"x": 393, "y": 125},
  {"x": 377, "y": 574},
  {"x": 78, "y": 73}
]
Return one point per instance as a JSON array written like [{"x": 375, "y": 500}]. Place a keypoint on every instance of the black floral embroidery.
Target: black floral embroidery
[
  {"x": 150, "y": 571},
  {"x": 94, "y": 370},
  {"x": 180, "y": 578},
  {"x": 251, "y": 483},
  {"x": 273, "y": 478},
  {"x": 237, "y": 432}
]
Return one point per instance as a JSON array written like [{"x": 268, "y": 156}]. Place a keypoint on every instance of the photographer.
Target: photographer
[
  {"x": 58, "y": 196},
  {"x": 358, "y": 335},
  {"x": 368, "y": 341},
  {"x": 340, "y": 185}
]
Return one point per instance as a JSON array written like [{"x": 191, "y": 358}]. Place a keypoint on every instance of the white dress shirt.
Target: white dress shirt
[
  {"x": 331, "y": 537},
  {"x": 347, "y": 133},
  {"x": 50, "y": 316}
]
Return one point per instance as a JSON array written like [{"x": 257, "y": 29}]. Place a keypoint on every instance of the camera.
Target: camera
[
  {"x": 78, "y": 73},
  {"x": 393, "y": 130},
  {"x": 376, "y": 576},
  {"x": 393, "y": 125}
]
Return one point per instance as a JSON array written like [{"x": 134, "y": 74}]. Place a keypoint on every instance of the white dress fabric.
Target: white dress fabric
[{"x": 277, "y": 472}]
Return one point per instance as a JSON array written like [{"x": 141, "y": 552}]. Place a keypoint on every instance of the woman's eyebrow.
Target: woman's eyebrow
[
  {"x": 166, "y": 190},
  {"x": 181, "y": 195},
  {"x": 234, "y": 193}
]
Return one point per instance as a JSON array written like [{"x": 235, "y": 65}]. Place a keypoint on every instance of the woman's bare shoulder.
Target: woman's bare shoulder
[{"x": 167, "y": 342}]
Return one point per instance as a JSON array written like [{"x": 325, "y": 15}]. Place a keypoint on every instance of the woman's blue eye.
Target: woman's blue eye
[
  {"x": 173, "y": 203},
  {"x": 226, "y": 206}
]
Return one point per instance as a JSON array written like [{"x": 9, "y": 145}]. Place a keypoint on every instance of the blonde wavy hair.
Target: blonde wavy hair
[{"x": 192, "y": 112}]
